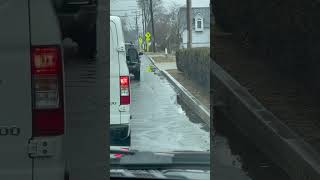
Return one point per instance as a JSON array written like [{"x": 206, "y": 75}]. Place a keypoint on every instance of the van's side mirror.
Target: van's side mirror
[{"x": 140, "y": 53}]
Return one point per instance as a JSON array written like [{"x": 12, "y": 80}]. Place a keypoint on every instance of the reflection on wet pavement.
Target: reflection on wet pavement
[
  {"x": 158, "y": 122},
  {"x": 162, "y": 122}
]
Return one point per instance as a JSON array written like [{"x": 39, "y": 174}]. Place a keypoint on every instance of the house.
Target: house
[{"x": 200, "y": 27}]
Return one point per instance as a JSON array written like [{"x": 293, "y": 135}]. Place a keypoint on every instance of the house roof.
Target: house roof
[{"x": 203, "y": 11}]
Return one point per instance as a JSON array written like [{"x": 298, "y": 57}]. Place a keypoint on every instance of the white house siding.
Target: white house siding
[{"x": 199, "y": 39}]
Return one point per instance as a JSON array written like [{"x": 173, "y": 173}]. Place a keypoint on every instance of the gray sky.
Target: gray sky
[
  {"x": 195, "y": 3},
  {"x": 120, "y": 7},
  {"x": 116, "y": 4}
]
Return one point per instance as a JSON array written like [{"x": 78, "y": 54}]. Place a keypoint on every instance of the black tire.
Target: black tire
[
  {"x": 66, "y": 171},
  {"x": 66, "y": 175},
  {"x": 137, "y": 75},
  {"x": 127, "y": 141}
]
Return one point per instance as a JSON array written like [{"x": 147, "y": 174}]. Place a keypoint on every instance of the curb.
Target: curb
[
  {"x": 152, "y": 61},
  {"x": 288, "y": 150},
  {"x": 187, "y": 97}
]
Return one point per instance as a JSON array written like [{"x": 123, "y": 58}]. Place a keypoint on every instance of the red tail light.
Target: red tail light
[
  {"x": 124, "y": 90},
  {"x": 47, "y": 90}
]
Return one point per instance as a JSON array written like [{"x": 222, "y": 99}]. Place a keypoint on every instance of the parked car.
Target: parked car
[
  {"x": 32, "y": 115},
  {"x": 133, "y": 62},
  {"x": 128, "y": 45},
  {"x": 119, "y": 86}
]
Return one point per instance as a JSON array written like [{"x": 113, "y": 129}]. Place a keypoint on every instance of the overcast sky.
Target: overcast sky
[
  {"x": 120, "y": 7},
  {"x": 132, "y": 4},
  {"x": 195, "y": 3}
]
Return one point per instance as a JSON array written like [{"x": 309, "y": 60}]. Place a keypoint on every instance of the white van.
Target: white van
[
  {"x": 119, "y": 86},
  {"x": 32, "y": 114}
]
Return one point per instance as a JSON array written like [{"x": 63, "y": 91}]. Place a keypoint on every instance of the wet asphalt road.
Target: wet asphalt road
[{"x": 159, "y": 123}]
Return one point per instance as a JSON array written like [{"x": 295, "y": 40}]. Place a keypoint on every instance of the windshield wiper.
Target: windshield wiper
[
  {"x": 158, "y": 175},
  {"x": 162, "y": 161},
  {"x": 129, "y": 174}
]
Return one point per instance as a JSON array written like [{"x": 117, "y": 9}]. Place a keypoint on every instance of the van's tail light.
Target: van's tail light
[
  {"x": 47, "y": 90},
  {"x": 124, "y": 90}
]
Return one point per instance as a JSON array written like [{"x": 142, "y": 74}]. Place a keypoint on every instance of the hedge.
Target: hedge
[{"x": 195, "y": 63}]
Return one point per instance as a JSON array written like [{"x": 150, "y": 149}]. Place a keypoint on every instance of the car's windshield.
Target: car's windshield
[
  {"x": 170, "y": 106},
  {"x": 159, "y": 116}
]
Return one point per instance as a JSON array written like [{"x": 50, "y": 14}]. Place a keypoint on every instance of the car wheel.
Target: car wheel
[
  {"x": 66, "y": 175},
  {"x": 127, "y": 141},
  {"x": 137, "y": 75},
  {"x": 66, "y": 172}
]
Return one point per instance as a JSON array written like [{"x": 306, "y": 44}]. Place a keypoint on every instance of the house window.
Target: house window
[{"x": 198, "y": 23}]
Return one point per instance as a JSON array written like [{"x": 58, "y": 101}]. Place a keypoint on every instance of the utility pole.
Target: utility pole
[
  {"x": 137, "y": 30},
  {"x": 144, "y": 22},
  {"x": 145, "y": 19},
  {"x": 143, "y": 33},
  {"x": 153, "y": 35},
  {"x": 189, "y": 23}
]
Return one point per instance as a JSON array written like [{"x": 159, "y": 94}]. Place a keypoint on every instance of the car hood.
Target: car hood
[{"x": 123, "y": 157}]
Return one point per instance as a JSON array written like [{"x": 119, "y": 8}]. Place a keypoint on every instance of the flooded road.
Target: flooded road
[
  {"x": 162, "y": 122},
  {"x": 159, "y": 123}
]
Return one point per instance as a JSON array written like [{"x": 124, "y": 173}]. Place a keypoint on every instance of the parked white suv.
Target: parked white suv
[
  {"x": 119, "y": 86},
  {"x": 32, "y": 114}
]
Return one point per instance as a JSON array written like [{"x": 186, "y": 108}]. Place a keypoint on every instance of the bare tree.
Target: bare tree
[
  {"x": 128, "y": 28},
  {"x": 174, "y": 35},
  {"x": 167, "y": 27},
  {"x": 157, "y": 10},
  {"x": 165, "y": 22}
]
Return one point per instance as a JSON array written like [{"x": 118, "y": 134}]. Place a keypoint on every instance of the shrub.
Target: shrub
[{"x": 195, "y": 63}]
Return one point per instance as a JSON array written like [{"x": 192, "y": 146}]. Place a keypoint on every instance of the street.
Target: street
[{"x": 158, "y": 122}]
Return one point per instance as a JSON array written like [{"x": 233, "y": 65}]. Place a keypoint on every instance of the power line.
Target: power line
[
  {"x": 125, "y": 0},
  {"x": 127, "y": 15},
  {"x": 124, "y": 10}
]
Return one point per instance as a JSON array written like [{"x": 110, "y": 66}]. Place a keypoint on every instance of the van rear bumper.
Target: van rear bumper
[{"x": 121, "y": 131}]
